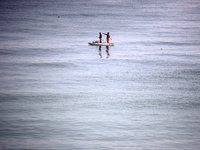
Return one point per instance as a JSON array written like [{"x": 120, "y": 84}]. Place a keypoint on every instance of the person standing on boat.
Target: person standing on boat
[
  {"x": 108, "y": 36},
  {"x": 100, "y": 37}
]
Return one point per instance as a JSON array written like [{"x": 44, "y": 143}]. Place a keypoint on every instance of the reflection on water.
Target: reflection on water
[
  {"x": 100, "y": 52},
  {"x": 107, "y": 51}
]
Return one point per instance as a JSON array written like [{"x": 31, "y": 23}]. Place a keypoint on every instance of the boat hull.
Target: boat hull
[{"x": 101, "y": 44}]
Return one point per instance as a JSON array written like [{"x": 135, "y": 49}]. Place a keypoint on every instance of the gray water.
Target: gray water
[{"x": 56, "y": 92}]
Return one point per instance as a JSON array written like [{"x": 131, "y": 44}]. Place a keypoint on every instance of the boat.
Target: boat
[{"x": 101, "y": 44}]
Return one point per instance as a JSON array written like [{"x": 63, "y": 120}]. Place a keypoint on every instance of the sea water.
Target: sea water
[{"x": 56, "y": 92}]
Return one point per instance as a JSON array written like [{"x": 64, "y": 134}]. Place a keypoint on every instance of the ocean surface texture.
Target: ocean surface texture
[{"x": 59, "y": 93}]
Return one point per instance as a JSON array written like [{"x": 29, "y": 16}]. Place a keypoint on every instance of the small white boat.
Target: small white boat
[{"x": 101, "y": 44}]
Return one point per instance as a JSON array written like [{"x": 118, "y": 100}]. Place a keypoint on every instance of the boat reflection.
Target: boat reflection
[{"x": 107, "y": 51}]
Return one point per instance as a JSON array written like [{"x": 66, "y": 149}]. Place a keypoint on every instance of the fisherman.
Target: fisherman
[
  {"x": 100, "y": 37},
  {"x": 108, "y": 36}
]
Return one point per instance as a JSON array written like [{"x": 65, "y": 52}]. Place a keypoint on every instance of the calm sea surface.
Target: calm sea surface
[{"x": 56, "y": 92}]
